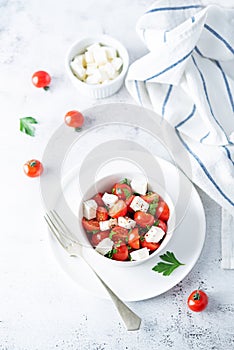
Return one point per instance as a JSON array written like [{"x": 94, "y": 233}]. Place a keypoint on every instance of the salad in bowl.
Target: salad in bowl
[{"x": 127, "y": 219}]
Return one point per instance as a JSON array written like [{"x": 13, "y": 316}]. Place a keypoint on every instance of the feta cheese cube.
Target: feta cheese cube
[
  {"x": 78, "y": 69},
  {"x": 154, "y": 235},
  {"x": 89, "y": 209},
  {"x": 89, "y": 57},
  {"x": 110, "y": 70},
  {"x": 104, "y": 225},
  {"x": 139, "y": 204},
  {"x": 80, "y": 59},
  {"x": 126, "y": 222},
  {"x": 94, "y": 47},
  {"x": 111, "y": 53},
  {"x": 107, "y": 224},
  {"x": 104, "y": 75},
  {"x": 91, "y": 67},
  {"x": 104, "y": 246},
  {"x": 139, "y": 184},
  {"x": 100, "y": 56},
  {"x": 95, "y": 78},
  {"x": 109, "y": 199},
  {"x": 139, "y": 254},
  {"x": 117, "y": 63}
]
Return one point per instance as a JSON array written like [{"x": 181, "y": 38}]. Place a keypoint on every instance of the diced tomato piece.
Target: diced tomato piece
[
  {"x": 119, "y": 233},
  {"x": 149, "y": 245},
  {"x": 123, "y": 191},
  {"x": 128, "y": 203},
  {"x": 98, "y": 199},
  {"x": 134, "y": 239},
  {"x": 120, "y": 252},
  {"x": 118, "y": 209},
  {"x": 162, "y": 225},
  {"x": 162, "y": 211},
  {"x": 144, "y": 219},
  {"x": 98, "y": 237},
  {"x": 90, "y": 225},
  {"x": 102, "y": 214},
  {"x": 150, "y": 197}
]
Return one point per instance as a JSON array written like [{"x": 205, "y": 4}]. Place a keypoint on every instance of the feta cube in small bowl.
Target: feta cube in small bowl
[
  {"x": 97, "y": 65},
  {"x": 127, "y": 219}
]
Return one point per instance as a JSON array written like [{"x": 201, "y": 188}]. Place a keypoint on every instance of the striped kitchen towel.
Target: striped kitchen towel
[{"x": 188, "y": 78}]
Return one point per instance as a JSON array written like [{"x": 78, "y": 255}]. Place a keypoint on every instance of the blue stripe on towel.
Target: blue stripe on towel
[
  {"x": 166, "y": 99},
  {"x": 170, "y": 67},
  {"x": 207, "y": 97},
  {"x": 187, "y": 118},
  {"x": 138, "y": 91},
  {"x": 228, "y": 154},
  {"x": 227, "y": 85},
  {"x": 174, "y": 8},
  {"x": 218, "y": 36},
  {"x": 165, "y": 36},
  {"x": 204, "y": 137},
  {"x": 198, "y": 51},
  {"x": 204, "y": 169}
]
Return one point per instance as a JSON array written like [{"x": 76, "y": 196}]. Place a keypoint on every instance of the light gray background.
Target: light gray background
[{"x": 41, "y": 307}]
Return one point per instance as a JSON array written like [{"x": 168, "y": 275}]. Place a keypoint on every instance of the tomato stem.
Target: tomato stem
[
  {"x": 78, "y": 129},
  {"x": 33, "y": 163},
  {"x": 46, "y": 88},
  {"x": 196, "y": 296}
]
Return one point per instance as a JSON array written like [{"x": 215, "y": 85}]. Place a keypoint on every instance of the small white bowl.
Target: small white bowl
[
  {"x": 105, "y": 185},
  {"x": 98, "y": 90}
]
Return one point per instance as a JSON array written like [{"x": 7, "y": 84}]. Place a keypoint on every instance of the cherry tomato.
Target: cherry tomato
[
  {"x": 143, "y": 219},
  {"x": 121, "y": 234},
  {"x": 197, "y": 301},
  {"x": 98, "y": 237},
  {"x": 74, "y": 119},
  {"x": 162, "y": 211},
  {"x": 128, "y": 203},
  {"x": 118, "y": 209},
  {"x": 98, "y": 199},
  {"x": 90, "y": 225},
  {"x": 133, "y": 239},
  {"x": 33, "y": 168},
  {"x": 150, "y": 197},
  {"x": 150, "y": 245},
  {"x": 123, "y": 191},
  {"x": 162, "y": 225},
  {"x": 102, "y": 214},
  {"x": 121, "y": 252},
  {"x": 41, "y": 79}
]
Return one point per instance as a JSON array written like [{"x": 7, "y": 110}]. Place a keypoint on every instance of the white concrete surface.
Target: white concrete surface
[{"x": 41, "y": 308}]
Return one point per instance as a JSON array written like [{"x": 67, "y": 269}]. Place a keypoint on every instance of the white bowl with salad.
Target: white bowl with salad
[{"x": 126, "y": 218}]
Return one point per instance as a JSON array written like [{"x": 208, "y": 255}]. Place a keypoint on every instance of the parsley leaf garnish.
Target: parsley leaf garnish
[
  {"x": 112, "y": 233},
  {"x": 153, "y": 207},
  {"x": 110, "y": 253},
  {"x": 26, "y": 125},
  {"x": 166, "y": 268},
  {"x": 156, "y": 223},
  {"x": 125, "y": 181},
  {"x": 127, "y": 193}
]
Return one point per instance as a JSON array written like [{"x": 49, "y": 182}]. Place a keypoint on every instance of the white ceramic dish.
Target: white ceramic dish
[
  {"x": 105, "y": 185},
  {"x": 98, "y": 90},
  {"x": 140, "y": 282}
]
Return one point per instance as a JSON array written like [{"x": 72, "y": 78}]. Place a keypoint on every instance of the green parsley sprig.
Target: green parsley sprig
[
  {"x": 26, "y": 125},
  {"x": 170, "y": 264}
]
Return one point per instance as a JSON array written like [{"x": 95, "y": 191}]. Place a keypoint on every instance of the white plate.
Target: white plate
[{"x": 140, "y": 282}]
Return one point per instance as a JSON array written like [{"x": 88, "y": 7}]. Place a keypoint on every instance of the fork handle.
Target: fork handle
[{"x": 131, "y": 320}]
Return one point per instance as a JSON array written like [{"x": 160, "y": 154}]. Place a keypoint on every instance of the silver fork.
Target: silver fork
[{"x": 63, "y": 235}]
